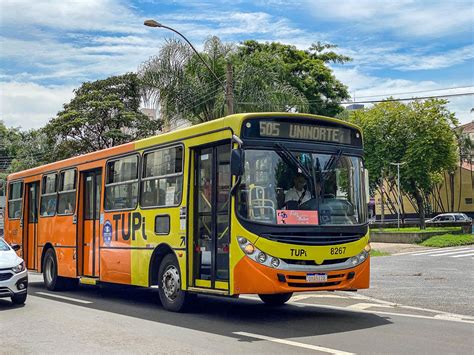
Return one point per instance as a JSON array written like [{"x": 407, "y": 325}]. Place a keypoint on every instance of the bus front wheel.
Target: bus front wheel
[
  {"x": 276, "y": 299},
  {"x": 172, "y": 297}
]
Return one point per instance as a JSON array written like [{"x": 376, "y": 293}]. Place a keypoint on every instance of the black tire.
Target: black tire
[
  {"x": 51, "y": 279},
  {"x": 172, "y": 297},
  {"x": 19, "y": 299},
  {"x": 278, "y": 299}
]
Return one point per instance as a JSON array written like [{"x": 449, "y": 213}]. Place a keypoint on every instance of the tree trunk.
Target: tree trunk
[{"x": 421, "y": 207}]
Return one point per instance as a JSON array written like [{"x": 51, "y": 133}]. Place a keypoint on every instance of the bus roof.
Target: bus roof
[{"x": 233, "y": 121}]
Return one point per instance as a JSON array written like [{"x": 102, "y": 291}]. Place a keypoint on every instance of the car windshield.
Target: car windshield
[
  {"x": 4, "y": 246},
  {"x": 280, "y": 186}
]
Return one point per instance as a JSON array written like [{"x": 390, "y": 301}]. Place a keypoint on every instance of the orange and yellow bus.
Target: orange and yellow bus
[{"x": 260, "y": 203}]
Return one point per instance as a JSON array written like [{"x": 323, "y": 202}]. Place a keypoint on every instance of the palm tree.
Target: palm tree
[{"x": 181, "y": 87}]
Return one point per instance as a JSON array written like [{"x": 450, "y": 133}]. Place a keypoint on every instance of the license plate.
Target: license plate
[{"x": 316, "y": 277}]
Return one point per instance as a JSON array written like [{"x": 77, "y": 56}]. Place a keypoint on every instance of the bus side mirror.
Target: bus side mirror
[
  {"x": 366, "y": 182},
  {"x": 16, "y": 247},
  {"x": 236, "y": 162}
]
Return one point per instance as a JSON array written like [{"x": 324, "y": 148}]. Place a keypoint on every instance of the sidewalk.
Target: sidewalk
[{"x": 394, "y": 248}]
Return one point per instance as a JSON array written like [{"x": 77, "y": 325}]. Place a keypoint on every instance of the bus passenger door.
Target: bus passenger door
[
  {"x": 92, "y": 183},
  {"x": 31, "y": 227},
  {"x": 211, "y": 221}
]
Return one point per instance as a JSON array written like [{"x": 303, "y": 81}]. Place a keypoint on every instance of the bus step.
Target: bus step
[
  {"x": 88, "y": 280},
  {"x": 208, "y": 290}
]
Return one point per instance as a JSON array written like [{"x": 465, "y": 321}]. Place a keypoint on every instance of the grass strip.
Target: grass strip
[
  {"x": 448, "y": 240},
  {"x": 375, "y": 252},
  {"x": 417, "y": 230}
]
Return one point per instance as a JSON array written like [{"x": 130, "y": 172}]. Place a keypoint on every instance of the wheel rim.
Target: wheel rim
[
  {"x": 49, "y": 270},
  {"x": 170, "y": 283}
]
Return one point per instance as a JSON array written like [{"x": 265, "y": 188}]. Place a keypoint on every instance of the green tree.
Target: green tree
[
  {"x": 267, "y": 77},
  {"x": 305, "y": 70},
  {"x": 419, "y": 134},
  {"x": 103, "y": 114},
  {"x": 20, "y": 150}
]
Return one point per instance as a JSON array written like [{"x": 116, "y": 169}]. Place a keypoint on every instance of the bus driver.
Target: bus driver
[{"x": 298, "y": 192}]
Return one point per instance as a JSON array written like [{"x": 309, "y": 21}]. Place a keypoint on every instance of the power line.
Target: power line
[
  {"x": 407, "y": 99},
  {"x": 416, "y": 92}
]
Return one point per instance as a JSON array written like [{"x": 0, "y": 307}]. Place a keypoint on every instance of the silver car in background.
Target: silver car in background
[{"x": 13, "y": 274}]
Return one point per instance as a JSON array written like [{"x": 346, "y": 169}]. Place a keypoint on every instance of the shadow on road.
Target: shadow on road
[{"x": 219, "y": 315}]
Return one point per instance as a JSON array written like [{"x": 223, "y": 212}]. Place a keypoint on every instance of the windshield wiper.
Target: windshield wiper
[
  {"x": 288, "y": 156},
  {"x": 333, "y": 160}
]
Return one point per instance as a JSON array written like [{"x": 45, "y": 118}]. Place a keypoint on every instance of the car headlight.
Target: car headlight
[{"x": 19, "y": 268}]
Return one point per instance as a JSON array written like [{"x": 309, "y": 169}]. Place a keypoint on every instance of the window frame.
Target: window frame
[
  {"x": 49, "y": 194},
  {"x": 58, "y": 185},
  {"x": 145, "y": 179},
  {"x": 16, "y": 199},
  {"x": 137, "y": 154}
]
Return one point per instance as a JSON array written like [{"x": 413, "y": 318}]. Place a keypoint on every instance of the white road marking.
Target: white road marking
[
  {"x": 294, "y": 343},
  {"x": 303, "y": 297},
  {"x": 453, "y": 252},
  {"x": 362, "y": 306},
  {"x": 442, "y": 315},
  {"x": 63, "y": 297},
  {"x": 437, "y": 251},
  {"x": 425, "y": 251},
  {"x": 462, "y": 255}
]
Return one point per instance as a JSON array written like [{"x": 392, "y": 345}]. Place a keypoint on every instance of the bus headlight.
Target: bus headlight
[
  {"x": 256, "y": 254},
  {"x": 359, "y": 258},
  {"x": 262, "y": 257}
]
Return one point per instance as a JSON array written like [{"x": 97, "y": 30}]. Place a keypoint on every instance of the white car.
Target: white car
[
  {"x": 450, "y": 217},
  {"x": 13, "y": 274}
]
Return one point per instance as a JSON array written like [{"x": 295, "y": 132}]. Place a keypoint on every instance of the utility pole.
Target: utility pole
[
  {"x": 382, "y": 188},
  {"x": 229, "y": 89},
  {"x": 398, "y": 192}
]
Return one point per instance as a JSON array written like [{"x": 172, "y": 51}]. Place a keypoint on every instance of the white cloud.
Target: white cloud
[
  {"x": 390, "y": 56},
  {"x": 405, "y": 18},
  {"x": 368, "y": 88},
  {"x": 86, "y": 15},
  {"x": 31, "y": 105}
]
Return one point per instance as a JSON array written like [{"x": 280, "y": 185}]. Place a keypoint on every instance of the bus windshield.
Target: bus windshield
[{"x": 281, "y": 187}]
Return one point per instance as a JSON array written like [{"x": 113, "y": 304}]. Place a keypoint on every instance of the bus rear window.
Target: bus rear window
[{"x": 15, "y": 195}]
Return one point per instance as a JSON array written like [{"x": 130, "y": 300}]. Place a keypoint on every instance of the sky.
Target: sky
[{"x": 401, "y": 48}]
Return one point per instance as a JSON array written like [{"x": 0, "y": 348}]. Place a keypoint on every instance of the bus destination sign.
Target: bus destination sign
[{"x": 295, "y": 130}]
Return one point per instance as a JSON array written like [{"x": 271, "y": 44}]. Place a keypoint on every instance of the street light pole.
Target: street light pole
[
  {"x": 398, "y": 191},
  {"x": 227, "y": 88}
]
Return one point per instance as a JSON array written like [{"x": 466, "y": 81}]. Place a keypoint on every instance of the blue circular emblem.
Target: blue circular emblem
[{"x": 107, "y": 232}]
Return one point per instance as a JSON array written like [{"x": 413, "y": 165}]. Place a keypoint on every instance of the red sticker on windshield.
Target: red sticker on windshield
[{"x": 297, "y": 217}]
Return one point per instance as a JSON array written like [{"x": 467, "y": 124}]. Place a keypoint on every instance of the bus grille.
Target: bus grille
[{"x": 312, "y": 239}]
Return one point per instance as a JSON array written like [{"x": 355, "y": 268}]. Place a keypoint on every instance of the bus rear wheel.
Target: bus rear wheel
[
  {"x": 51, "y": 279},
  {"x": 172, "y": 297},
  {"x": 276, "y": 299}
]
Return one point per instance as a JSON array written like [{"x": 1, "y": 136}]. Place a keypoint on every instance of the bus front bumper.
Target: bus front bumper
[{"x": 252, "y": 277}]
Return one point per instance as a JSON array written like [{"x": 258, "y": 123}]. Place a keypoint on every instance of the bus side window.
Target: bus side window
[
  {"x": 162, "y": 177},
  {"x": 48, "y": 195},
  {"x": 15, "y": 196},
  {"x": 121, "y": 185},
  {"x": 67, "y": 192}
]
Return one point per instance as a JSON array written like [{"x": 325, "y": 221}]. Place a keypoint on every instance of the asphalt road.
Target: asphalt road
[
  {"x": 441, "y": 279},
  {"x": 117, "y": 319}
]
